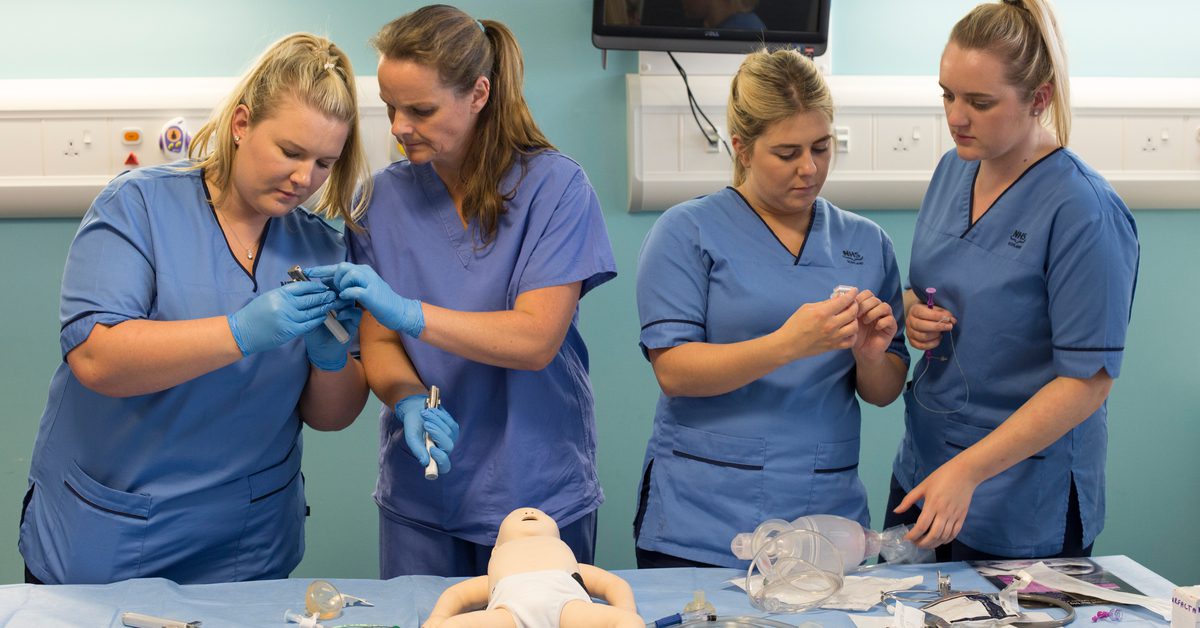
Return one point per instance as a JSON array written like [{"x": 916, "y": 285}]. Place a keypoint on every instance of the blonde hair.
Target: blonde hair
[
  {"x": 315, "y": 72},
  {"x": 771, "y": 86},
  {"x": 462, "y": 49},
  {"x": 1025, "y": 35}
]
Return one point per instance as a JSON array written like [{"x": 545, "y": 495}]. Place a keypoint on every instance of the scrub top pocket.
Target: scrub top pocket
[
  {"x": 836, "y": 487},
  {"x": 273, "y": 540},
  {"x": 115, "y": 523},
  {"x": 695, "y": 478},
  {"x": 1020, "y": 490}
]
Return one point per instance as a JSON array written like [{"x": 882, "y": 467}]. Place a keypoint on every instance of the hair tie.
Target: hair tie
[
  {"x": 481, "y": 26},
  {"x": 329, "y": 65}
]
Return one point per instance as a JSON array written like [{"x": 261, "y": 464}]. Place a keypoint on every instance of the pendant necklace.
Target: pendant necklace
[{"x": 249, "y": 250}]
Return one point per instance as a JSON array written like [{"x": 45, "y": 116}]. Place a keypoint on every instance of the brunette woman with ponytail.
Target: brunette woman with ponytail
[{"x": 492, "y": 237}]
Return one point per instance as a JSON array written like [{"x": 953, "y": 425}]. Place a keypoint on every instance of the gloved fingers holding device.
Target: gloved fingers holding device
[
  {"x": 358, "y": 282},
  {"x": 328, "y": 346},
  {"x": 421, "y": 422},
  {"x": 275, "y": 317},
  {"x": 325, "y": 350}
]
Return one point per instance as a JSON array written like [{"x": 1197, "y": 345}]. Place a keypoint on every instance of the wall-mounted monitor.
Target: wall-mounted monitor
[{"x": 736, "y": 26}]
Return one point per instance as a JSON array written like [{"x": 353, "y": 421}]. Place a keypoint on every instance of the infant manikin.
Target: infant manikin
[{"x": 533, "y": 581}]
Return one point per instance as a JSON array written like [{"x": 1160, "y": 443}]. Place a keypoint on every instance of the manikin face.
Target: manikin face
[
  {"x": 432, "y": 121},
  {"x": 988, "y": 117},
  {"x": 283, "y": 159},
  {"x": 526, "y": 522},
  {"x": 787, "y": 165}
]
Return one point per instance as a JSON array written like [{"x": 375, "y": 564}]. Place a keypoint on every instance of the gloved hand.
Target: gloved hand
[
  {"x": 418, "y": 420},
  {"x": 356, "y": 282},
  {"x": 324, "y": 351},
  {"x": 276, "y": 317}
]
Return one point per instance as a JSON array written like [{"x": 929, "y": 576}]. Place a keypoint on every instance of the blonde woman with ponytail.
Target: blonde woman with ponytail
[
  {"x": 1032, "y": 259},
  {"x": 767, "y": 312},
  {"x": 170, "y": 446},
  {"x": 475, "y": 253}
]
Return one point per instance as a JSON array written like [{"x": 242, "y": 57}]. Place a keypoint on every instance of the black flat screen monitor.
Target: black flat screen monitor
[{"x": 737, "y": 26}]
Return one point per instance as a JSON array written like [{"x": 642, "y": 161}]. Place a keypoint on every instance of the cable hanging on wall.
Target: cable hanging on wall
[{"x": 711, "y": 133}]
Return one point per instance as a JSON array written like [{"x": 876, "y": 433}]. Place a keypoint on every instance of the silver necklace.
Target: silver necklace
[{"x": 249, "y": 250}]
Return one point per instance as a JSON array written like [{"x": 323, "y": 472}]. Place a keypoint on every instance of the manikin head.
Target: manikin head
[{"x": 526, "y": 522}]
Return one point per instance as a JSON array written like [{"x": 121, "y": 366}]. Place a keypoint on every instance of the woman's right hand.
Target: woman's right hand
[
  {"x": 924, "y": 325},
  {"x": 823, "y": 326},
  {"x": 280, "y": 315},
  {"x": 418, "y": 421}
]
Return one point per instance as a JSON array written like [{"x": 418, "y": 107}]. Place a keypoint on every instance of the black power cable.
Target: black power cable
[{"x": 711, "y": 134}]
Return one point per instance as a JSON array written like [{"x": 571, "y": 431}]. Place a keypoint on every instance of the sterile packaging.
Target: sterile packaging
[{"x": 1185, "y": 607}]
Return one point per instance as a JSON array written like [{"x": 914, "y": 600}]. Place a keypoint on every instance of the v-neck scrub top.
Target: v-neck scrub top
[
  {"x": 528, "y": 438},
  {"x": 199, "y": 482},
  {"x": 787, "y": 444},
  {"x": 1042, "y": 286}
]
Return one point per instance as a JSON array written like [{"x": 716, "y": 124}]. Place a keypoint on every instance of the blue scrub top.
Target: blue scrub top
[
  {"x": 787, "y": 444},
  {"x": 528, "y": 437},
  {"x": 1042, "y": 286},
  {"x": 197, "y": 483}
]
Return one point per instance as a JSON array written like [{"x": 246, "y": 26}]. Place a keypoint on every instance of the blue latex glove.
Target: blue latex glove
[
  {"x": 356, "y": 282},
  {"x": 275, "y": 317},
  {"x": 419, "y": 420},
  {"x": 324, "y": 351}
]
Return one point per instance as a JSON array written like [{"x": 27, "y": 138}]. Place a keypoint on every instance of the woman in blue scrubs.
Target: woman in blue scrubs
[
  {"x": 759, "y": 366},
  {"x": 1033, "y": 258},
  {"x": 170, "y": 445},
  {"x": 499, "y": 236}
]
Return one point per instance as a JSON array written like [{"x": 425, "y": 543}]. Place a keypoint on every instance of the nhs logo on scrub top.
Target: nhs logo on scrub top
[
  {"x": 1017, "y": 239},
  {"x": 854, "y": 257}
]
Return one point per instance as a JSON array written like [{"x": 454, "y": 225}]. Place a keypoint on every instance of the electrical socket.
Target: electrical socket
[
  {"x": 75, "y": 146},
  {"x": 906, "y": 142},
  {"x": 1153, "y": 143}
]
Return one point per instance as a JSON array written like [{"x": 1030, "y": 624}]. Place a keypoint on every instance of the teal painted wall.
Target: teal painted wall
[{"x": 1152, "y": 463}]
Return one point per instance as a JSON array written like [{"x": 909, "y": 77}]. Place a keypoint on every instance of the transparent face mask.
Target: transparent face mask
[{"x": 794, "y": 571}]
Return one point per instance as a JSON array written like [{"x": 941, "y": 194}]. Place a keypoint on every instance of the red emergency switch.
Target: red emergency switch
[{"x": 132, "y": 160}]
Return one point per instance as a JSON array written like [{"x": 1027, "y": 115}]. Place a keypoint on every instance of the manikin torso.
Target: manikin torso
[{"x": 528, "y": 543}]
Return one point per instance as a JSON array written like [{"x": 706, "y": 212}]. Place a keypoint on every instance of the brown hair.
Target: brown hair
[
  {"x": 1025, "y": 35},
  {"x": 461, "y": 49},
  {"x": 317, "y": 73},
  {"x": 769, "y": 87}
]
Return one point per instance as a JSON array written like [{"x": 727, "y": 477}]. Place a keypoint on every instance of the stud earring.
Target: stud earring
[{"x": 237, "y": 138}]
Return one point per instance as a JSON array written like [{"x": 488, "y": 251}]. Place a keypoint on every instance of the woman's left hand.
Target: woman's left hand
[
  {"x": 324, "y": 351},
  {"x": 358, "y": 282},
  {"x": 947, "y": 493},
  {"x": 876, "y": 326}
]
